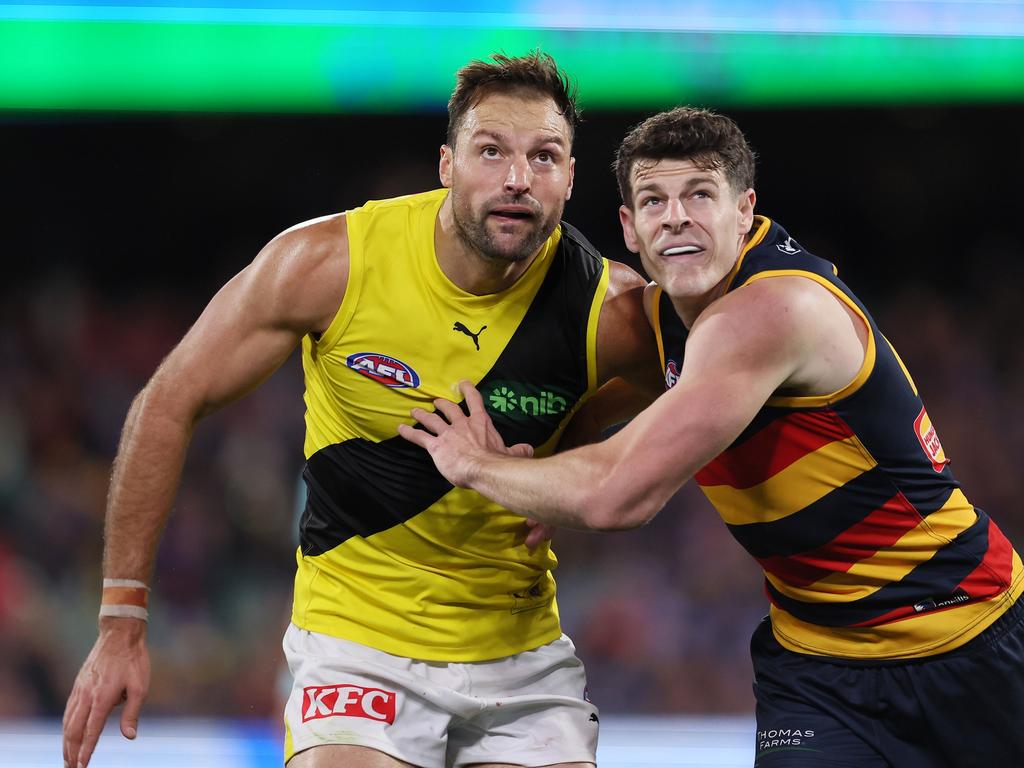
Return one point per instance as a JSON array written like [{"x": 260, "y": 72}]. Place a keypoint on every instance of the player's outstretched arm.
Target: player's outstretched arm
[
  {"x": 627, "y": 372},
  {"x": 293, "y": 287},
  {"x": 742, "y": 349}
]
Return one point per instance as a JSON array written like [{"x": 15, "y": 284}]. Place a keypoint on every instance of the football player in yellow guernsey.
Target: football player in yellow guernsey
[
  {"x": 895, "y": 637},
  {"x": 424, "y": 631}
]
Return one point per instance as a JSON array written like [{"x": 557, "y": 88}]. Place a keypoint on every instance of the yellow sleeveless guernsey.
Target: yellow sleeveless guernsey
[{"x": 390, "y": 554}]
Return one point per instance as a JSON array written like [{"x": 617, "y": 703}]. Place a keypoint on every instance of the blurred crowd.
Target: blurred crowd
[
  {"x": 120, "y": 230},
  {"x": 661, "y": 616}
]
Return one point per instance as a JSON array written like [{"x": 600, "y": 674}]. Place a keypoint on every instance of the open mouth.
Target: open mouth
[{"x": 514, "y": 215}]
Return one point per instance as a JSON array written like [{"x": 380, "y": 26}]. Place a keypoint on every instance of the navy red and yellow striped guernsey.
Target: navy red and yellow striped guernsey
[{"x": 869, "y": 547}]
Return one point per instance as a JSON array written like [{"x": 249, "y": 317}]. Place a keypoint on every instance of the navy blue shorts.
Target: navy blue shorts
[{"x": 959, "y": 709}]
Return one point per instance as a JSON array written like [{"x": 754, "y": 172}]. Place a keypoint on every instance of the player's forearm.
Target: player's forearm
[
  {"x": 144, "y": 482},
  {"x": 581, "y": 489}
]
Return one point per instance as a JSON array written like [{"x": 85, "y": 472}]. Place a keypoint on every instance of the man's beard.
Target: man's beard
[{"x": 474, "y": 232}]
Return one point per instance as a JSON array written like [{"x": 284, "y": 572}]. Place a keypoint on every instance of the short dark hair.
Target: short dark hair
[
  {"x": 535, "y": 72},
  {"x": 712, "y": 141}
]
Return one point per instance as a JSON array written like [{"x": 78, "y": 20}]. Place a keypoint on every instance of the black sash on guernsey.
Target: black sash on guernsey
[{"x": 359, "y": 487}]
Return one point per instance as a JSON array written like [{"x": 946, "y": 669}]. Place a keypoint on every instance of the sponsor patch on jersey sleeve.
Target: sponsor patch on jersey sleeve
[{"x": 929, "y": 440}]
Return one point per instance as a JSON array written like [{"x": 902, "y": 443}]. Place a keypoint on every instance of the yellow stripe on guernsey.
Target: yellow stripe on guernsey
[
  {"x": 869, "y": 548},
  {"x": 924, "y": 634},
  {"x": 916, "y": 546},
  {"x": 656, "y": 323},
  {"x": 453, "y": 582},
  {"x": 797, "y": 486}
]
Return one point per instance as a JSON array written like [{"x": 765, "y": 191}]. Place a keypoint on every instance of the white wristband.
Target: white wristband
[
  {"x": 125, "y": 611},
  {"x": 130, "y": 583},
  {"x": 125, "y": 598}
]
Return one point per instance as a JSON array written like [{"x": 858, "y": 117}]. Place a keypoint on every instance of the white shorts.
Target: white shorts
[{"x": 529, "y": 709}]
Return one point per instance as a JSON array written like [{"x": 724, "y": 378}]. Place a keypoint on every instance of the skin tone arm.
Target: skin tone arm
[
  {"x": 627, "y": 366},
  {"x": 782, "y": 334},
  {"x": 626, "y": 347},
  {"x": 293, "y": 287},
  {"x": 627, "y": 361}
]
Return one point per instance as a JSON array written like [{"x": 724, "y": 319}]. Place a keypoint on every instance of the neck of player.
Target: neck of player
[{"x": 465, "y": 266}]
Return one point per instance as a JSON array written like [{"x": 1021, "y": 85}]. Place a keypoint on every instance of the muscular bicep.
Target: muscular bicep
[
  {"x": 740, "y": 351},
  {"x": 232, "y": 348},
  {"x": 255, "y": 321}
]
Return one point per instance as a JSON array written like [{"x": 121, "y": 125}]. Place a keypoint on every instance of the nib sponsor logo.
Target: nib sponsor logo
[
  {"x": 516, "y": 400},
  {"x": 320, "y": 701}
]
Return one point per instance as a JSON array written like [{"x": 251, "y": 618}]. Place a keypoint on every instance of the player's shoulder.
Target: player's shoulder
[
  {"x": 429, "y": 199},
  {"x": 786, "y": 308},
  {"x": 320, "y": 226},
  {"x": 313, "y": 240},
  {"x": 303, "y": 271},
  {"x": 652, "y": 294},
  {"x": 577, "y": 249},
  {"x": 621, "y": 277},
  {"x": 772, "y": 248}
]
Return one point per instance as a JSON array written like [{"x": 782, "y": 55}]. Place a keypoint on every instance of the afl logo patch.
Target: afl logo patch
[{"x": 384, "y": 370}]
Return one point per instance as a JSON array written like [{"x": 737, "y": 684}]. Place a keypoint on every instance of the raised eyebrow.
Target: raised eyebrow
[
  {"x": 648, "y": 186},
  {"x": 552, "y": 138},
  {"x": 654, "y": 186},
  {"x": 698, "y": 180},
  {"x": 486, "y": 133},
  {"x": 502, "y": 138}
]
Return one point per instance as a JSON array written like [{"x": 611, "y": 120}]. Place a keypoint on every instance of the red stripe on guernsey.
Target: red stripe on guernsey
[
  {"x": 885, "y": 618},
  {"x": 779, "y": 444},
  {"x": 996, "y": 570},
  {"x": 878, "y": 530}
]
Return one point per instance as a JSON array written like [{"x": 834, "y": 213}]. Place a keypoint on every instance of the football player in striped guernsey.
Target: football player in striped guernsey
[{"x": 895, "y": 634}]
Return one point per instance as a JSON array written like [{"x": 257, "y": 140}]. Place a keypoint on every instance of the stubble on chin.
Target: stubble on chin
[{"x": 476, "y": 235}]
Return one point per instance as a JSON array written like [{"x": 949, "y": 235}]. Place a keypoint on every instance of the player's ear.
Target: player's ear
[
  {"x": 746, "y": 204},
  {"x": 444, "y": 166},
  {"x": 628, "y": 230},
  {"x": 572, "y": 175}
]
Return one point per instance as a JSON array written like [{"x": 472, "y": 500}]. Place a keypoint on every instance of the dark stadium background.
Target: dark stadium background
[{"x": 117, "y": 230}]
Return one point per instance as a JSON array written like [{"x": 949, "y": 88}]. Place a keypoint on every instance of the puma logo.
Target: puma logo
[{"x": 474, "y": 336}]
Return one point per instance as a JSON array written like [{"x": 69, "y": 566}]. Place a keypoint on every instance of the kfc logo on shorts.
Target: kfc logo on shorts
[
  {"x": 320, "y": 701},
  {"x": 929, "y": 440}
]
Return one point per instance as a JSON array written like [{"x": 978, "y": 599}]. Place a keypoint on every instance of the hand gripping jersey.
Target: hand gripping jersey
[
  {"x": 869, "y": 547},
  {"x": 391, "y": 555}
]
